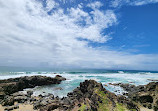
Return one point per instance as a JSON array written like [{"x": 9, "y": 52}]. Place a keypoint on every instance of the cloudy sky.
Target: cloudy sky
[{"x": 110, "y": 34}]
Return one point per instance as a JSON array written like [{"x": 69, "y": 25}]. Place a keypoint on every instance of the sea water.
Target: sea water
[{"x": 74, "y": 78}]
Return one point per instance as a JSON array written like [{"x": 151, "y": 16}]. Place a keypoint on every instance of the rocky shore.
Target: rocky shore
[
  {"x": 13, "y": 85},
  {"x": 145, "y": 95},
  {"x": 89, "y": 96}
]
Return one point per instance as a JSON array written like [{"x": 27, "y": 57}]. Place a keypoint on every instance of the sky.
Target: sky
[{"x": 102, "y": 34}]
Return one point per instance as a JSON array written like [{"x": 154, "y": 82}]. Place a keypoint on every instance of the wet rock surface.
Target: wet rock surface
[
  {"x": 146, "y": 95},
  {"x": 89, "y": 96},
  {"x": 13, "y": 85}
]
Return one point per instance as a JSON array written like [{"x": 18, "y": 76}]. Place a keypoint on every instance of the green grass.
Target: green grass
[
  {"x": 120, "y": 107},
  {"x": 106, "y": 104},
  {"x": 83, "y": 107}
]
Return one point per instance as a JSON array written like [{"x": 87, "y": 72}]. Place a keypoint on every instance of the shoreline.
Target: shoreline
[
  {"x": 74, "y": 100},
  {"x": 12, "y": 85}
]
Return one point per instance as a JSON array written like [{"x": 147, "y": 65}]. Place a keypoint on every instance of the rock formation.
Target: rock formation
[
  {"x": 90, "y": 96},
  {"x": 13, "y": 85},
  {"x": 145, "y": 95}
]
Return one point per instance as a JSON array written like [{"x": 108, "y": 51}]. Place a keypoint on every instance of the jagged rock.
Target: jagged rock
[
  {"x": 90, "y": 95},
  {"x": 51, "y": 107},
  {"x": 16, "y": 97},
  {"x": 60, "y": 78},
  {"x": 20, "y": 99},
  {"x": 8, "y": 101},
  {"x": 9, "y": 108},
  {"x": 18, "y": 94},
  {"x": 146, "y": 95},
  {"x": 29, "y": 93},
  {"x": 8, "y": 88},
  {"x": 13, "y": 85}
]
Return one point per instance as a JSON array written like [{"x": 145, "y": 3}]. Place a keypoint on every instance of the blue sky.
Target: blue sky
[
  {"x": 137, "y": 29},
  {"x": 107, "y": 34}
]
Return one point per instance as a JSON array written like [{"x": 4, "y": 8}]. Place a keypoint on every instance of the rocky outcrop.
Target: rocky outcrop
[
  {"x": 13, "y": 85},
  {"x": 90, "y": 96},
  {"x": 146, "y": 95}
]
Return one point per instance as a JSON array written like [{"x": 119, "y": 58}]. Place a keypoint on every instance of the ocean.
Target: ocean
[{"x": 76, "y": 76}]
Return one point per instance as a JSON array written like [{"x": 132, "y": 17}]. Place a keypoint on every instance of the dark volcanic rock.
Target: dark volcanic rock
[
  {"x": 29, "y": 93},
  {"x": 8, "y": 100},
  {"x": 10, "y": 108},
  {"x": 146, "y": 95},
  {"x": 58, "y": 77},
  {"x": 10, "y": 86},
  {"x": 89, "y": 96}
]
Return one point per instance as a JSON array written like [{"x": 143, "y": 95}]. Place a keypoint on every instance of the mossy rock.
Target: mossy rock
[
  {"x": 108, "y": 104},
  {"x": 82, "y": 107}
]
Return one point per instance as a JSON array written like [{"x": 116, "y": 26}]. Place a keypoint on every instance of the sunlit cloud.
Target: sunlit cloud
[
  {"x": 119, "y": 3},
  {"x": 30, "y": 36}
]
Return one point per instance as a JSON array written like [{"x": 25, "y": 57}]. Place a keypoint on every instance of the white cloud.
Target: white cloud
[
  {"x": 119, "y": 3},
  {"x": 95, "y": 5},
  {"x": 30, "y": 37},
  {"x": 143, "y": 2},
  {"x": 50, "y": 4},
  {"x": 116, "y": 3}
]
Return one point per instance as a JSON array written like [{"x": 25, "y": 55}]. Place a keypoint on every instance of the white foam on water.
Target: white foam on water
[{"x": 73, "y": 80}]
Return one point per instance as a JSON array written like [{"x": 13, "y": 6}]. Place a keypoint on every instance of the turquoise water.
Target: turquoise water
[{"x": 74, "y": 79}]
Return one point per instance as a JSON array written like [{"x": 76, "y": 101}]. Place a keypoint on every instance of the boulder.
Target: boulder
[
  {"x": 60, "y": 77},
  {"x": 8, "y": 101},
  {"x": 29, "y": 93}
]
